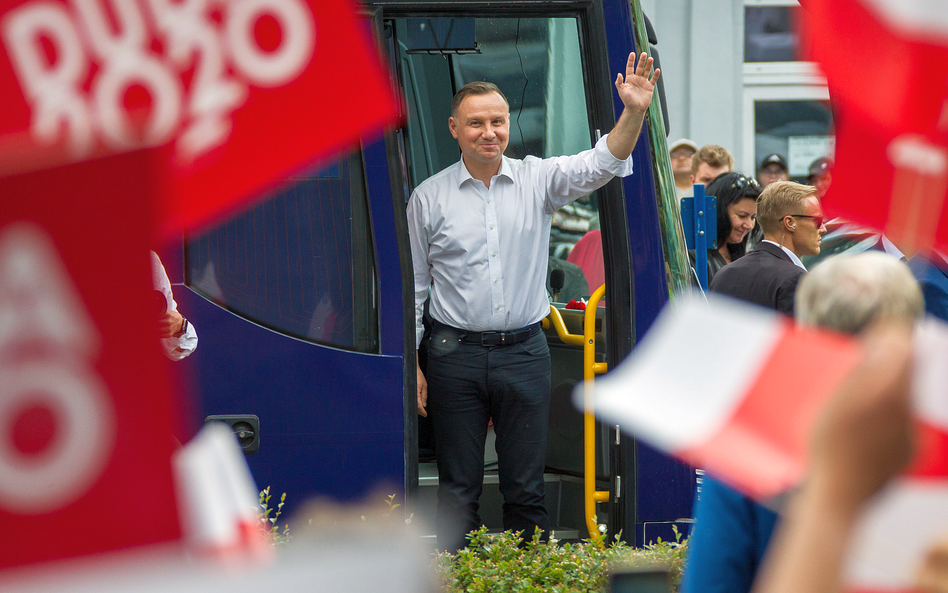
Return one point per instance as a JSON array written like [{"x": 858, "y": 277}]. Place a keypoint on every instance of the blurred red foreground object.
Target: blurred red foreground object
[
  {"x": 119, "y": 116},
  {"x": 892, "y": 137},
  {"x": 85, "y": 465}
]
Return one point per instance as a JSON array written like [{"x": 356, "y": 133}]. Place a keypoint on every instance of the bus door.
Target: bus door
[{"x": 554, "y": 67}]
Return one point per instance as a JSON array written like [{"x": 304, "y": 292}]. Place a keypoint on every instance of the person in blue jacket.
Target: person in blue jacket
[{"x": 930, "y": 268}]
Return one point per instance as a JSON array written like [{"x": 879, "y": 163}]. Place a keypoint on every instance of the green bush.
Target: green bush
[{"x": 496, "y": 562}]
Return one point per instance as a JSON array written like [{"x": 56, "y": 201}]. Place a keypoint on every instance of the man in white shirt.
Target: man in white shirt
[{"x": 479, "y": 234}]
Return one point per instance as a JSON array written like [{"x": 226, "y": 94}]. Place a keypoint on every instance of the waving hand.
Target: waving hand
[{"x": 636, "y": 89}]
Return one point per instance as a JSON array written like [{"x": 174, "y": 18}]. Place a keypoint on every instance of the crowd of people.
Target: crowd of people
[{"x": 767, "y": 228}]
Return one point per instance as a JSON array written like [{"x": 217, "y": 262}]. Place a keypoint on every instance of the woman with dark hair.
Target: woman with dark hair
[{"x": 736, "y": 196}]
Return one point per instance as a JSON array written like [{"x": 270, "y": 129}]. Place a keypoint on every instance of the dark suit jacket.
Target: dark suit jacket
[
  {"x": 932, "y": 274},
  {"x": 765, "y": 276}
]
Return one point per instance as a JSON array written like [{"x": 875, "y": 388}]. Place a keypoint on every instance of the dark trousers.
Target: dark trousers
[{"x": 468, "y": 385}]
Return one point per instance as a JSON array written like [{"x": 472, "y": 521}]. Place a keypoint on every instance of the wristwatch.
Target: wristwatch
[{"x": 184, "y": 328}]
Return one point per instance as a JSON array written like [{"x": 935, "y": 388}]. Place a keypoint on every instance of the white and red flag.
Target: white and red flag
[
  {"x": 735, "y": 389},
  {"x": 886, "y": 64},
  {"x": 740, "y": 411}
]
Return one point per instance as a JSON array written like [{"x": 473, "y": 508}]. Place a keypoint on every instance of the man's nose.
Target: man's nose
[{"x": 489, "y": 131}]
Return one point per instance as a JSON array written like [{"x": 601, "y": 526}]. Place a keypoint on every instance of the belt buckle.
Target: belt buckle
[{"x": 490, "y": 339}]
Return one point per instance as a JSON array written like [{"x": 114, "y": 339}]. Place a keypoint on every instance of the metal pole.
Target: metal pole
[{"x": 701, "y": 239}]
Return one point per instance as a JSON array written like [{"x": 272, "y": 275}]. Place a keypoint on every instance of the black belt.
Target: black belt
[{"x": 490, "y": 338}]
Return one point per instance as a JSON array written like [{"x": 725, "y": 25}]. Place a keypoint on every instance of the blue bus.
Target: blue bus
[{"x": 304, "y": 301}]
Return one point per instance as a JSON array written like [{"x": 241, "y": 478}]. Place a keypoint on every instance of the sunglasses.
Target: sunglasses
[
  {"x": 681, "y": 154},
  {"x": 817, "y": 220},
  {"x": 743, "y": 182}
]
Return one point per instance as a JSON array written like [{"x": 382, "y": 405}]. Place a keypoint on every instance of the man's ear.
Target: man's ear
[
  {"x": 453, "y": 126},
  {"x": 692, "y": 178},
  {"x": 789, "y": 224}
]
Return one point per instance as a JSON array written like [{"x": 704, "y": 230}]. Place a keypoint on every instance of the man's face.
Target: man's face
[
  {"x": 482, "y": 129},
  {"x": 809, "y": 228},
  {"x": 772, "y": 172},
  {"x": 681, "y": 160},
  {"x": 706, "y": 173},
  {"x": 821, "y": 183}
]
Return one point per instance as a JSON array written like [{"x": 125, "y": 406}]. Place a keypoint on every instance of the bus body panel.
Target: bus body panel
[{"x": 330, "y": 420}]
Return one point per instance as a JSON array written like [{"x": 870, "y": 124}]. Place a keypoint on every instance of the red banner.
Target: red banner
[
  {"x": 895, "y": 183},
  {"x": 84, "y": 403},
  {"x": 238, "y": 94},
  {"x": 112, "y": 109}
]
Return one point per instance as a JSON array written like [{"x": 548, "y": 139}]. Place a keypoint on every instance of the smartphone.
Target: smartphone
[{"x": 640, "y": 580}]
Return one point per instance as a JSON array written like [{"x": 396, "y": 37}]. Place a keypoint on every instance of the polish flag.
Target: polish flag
[
  {"x": 735, "y": 389},
  {"x": 905, "y": 195},
  {"x": 730, "y": 387}
]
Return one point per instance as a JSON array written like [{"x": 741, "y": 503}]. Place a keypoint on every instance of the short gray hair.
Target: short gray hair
[{"x": 848, "y": 293}]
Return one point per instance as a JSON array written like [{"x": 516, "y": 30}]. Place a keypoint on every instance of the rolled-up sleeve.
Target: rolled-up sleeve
[
  {"x": 182, "y": 346},
  {"x": 608, "y": 161}
]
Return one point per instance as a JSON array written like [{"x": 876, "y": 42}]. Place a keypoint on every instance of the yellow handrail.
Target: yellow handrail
[
  {"x": 560, "y": 327},
  {"x": 590, "y": 369}
]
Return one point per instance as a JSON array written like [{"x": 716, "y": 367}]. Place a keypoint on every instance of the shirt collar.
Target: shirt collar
[
  {"x": 793, "y": 256},
  {"x": 891, "y": 249},
  {"x": 465, "y": 175}
]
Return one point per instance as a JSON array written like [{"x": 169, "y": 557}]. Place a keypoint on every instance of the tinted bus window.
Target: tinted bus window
[{"x": 301, "y": 262}]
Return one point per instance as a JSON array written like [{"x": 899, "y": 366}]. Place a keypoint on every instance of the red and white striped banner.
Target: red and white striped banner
[{"x": 731, "y": 388}]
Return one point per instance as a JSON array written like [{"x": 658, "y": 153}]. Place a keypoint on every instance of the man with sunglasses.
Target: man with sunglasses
[{"x": 792, "y": 220}]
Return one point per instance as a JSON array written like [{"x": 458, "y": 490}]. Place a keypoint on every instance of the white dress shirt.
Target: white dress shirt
[{"x": 483, "y": 251}]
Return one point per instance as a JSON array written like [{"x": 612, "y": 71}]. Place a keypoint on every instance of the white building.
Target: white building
[{"x": 732, "y": 78}]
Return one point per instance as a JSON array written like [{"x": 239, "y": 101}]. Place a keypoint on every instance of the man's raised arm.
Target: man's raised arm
[{"x": 635, "y": 90}]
